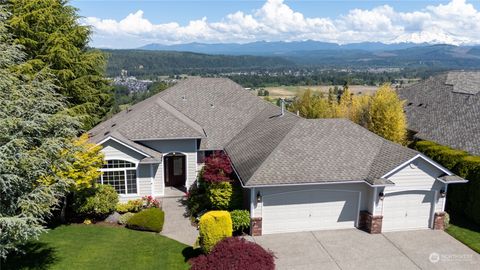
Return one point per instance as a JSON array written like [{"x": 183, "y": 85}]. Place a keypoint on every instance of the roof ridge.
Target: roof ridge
[
  {"x": 179, "y": 115},
  {"x": 276, "y": 147}
]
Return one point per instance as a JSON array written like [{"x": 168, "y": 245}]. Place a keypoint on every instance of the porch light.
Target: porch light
[
  {"x": 259, "y": 197},
  {"x": 443, "y": 193},
  {"x": 381, "y": 196}
]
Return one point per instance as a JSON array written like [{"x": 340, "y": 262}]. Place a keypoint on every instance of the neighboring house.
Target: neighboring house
[
  {"x": 446, "y": 109},
  {"x": 298, "y": 174}
]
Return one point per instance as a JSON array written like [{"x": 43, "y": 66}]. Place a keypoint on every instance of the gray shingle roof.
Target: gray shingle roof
[
  {"x": 452, "y": 179},
  {"x": 311, "y": 151},
  {"x": 264, "y": 147},
  {"x": 220, "y": 106},
  {"x": 446, "y": 109}
]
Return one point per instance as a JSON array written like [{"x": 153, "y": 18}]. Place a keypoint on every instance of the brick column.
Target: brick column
[
  {"x": 369, "y": 223},
  {"x": 439, "y": 221},
  {"x": 256, "y": 226}
]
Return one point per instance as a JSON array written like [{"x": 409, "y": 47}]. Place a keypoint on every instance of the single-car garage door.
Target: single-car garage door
[
  {"x": 309, "y": 210},
  {"x": 407, "y": 210}
]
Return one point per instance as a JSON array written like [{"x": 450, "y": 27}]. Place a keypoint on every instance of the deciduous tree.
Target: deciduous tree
[{"x": 386, "y": 116}]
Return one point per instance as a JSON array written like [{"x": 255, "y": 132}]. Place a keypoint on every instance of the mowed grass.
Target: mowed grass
[
  {"x": 97, "y": 247},
  {"x": 291, "y": 91},
  {"x": 465, "y": 232}
]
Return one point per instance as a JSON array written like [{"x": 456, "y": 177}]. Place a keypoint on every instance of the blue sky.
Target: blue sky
[{"x": 132, "y": 23}]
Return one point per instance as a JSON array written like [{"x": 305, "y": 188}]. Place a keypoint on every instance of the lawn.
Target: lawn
[
  {"x": 465, "y": 232},
  {"x": 99, "y": 247}
]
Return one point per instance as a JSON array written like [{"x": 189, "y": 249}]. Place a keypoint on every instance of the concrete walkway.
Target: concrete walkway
[
  {"x": 355, "y": 249},
  {"x": 177, "y": 226}
]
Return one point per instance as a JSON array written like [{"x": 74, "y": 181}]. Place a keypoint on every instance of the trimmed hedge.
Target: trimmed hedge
[
  {"x": 213, "y": 227},
  {"x": 150, "y": 219},
  {"x": 123, "y": 219},
  {"x": 463, "y": 199},
  {"x": 236, "y": 254}
]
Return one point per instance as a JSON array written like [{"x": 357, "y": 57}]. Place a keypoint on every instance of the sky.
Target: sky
[{"x": 134, "y": 23}]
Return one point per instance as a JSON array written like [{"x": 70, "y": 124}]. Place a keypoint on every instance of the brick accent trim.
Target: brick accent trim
[
  {"x": 369, "y": 223},
  {"x": 256, "y": 226},
  {"x": 439, "y": 221}
]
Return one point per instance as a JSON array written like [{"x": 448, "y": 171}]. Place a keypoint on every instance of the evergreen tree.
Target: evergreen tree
[
  {"x": 33, "y": 132},
  {"x": 56, "y": 43},
  {"x": 385, "y": 115}
]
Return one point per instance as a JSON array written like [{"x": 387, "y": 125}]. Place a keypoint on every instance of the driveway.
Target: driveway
[{"x": 355, "y": 249}]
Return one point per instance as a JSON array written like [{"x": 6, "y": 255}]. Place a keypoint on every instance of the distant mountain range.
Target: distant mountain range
[
  {"x": 276, "y": 48},
  {"x": 355, "y": 55}
]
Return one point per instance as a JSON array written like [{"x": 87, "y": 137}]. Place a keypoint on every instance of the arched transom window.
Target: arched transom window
[{"x": 120, "y": 174}]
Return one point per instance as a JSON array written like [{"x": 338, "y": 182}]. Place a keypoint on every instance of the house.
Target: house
[
  {"x": 446, "y": 109},
  {"x": 298, "y": 174}
]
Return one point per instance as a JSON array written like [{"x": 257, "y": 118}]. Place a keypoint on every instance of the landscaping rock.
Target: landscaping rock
[{"x": 113, "y": 218}]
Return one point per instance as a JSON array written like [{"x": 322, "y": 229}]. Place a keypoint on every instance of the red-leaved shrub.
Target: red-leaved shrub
[
  {"x": 235, "y": 253},
  {"x": 217, "y": 168}
]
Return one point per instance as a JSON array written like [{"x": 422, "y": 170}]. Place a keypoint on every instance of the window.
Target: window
[{"x": 120, "y": 174}]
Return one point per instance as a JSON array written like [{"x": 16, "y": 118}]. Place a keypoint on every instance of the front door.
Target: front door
[{"x": 175, "y": 175}]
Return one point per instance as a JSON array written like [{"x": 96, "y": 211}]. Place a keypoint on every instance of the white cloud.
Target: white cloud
[{"x": 457, "y": 22}]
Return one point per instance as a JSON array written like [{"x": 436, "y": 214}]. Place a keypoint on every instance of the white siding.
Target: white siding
[
  {"x": 187, "y": 147},
  {"x": 158, "y": 179},
  {"x": 411, "y": 202},
  {"x": 114, "y": 150},
  {"x": 144, "y": 180}
]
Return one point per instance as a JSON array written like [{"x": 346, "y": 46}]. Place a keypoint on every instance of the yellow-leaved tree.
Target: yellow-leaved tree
[
  {"x": 386, "y": 116},
  {"x": 88, "y": 160},
  {"x": 311, "y": 105}
]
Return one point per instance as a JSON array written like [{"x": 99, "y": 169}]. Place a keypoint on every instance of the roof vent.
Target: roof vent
[
  {"x": 282, "y": 105},
  {"x": 106, "y": 133},
  {"x": 114, "y": 124},
  {"x": 212, "y": 106},
  {"x": 184, "y": 98}
]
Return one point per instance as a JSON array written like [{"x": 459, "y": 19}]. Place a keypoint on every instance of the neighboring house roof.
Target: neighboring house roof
[
  {"x": 446, "y": 109},
  {"x": 265, "y": 147}
]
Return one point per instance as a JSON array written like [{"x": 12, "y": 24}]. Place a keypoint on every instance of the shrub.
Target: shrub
[
  {"x": 219, "y": 195},
  {"x": 147, "y": 220},
  {"x": 123, "y": 219},
  {"x": 217, "y": 168},
  {"x": 214, "y": 226},
  {"x": 130, "y": 206},
  {"x": 240, "y": 220},
  {"x": 97, "y": 201},
  {"x": 197, "y": 201},
  {"x": 236, "y": 254}
]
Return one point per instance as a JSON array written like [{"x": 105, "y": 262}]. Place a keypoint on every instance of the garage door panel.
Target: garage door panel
[
  {"x": 309, "y": 210},
  {"x": 407, "y": 210}
]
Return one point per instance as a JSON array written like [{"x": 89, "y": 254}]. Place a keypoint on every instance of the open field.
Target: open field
[{"x": 291, "y": 91}]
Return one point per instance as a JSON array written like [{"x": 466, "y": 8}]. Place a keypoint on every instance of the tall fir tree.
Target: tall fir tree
[
  {"x": 34, "y": 130},
  {"x": 56, "y": 43}
]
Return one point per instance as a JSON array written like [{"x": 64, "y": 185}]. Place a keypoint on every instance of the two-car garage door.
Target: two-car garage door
[{"x": 308, "y": 210}]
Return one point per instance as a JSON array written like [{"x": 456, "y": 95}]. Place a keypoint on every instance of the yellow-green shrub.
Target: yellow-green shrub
[
  {"x": 130, "y": 206},
  {"x": 220, "y": 195},
  {"x": 214, "y": 226}
]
